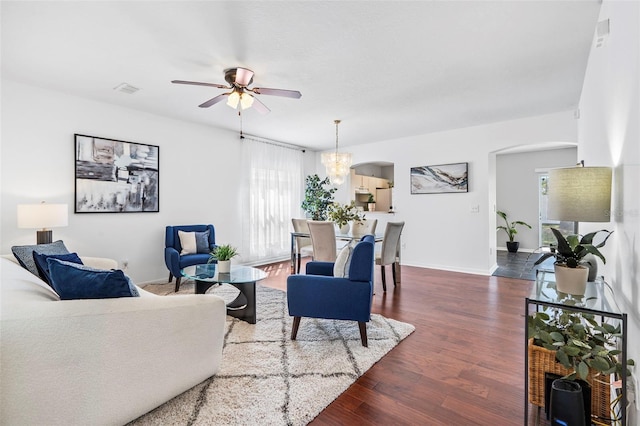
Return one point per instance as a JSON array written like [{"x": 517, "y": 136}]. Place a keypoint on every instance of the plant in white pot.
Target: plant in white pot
[
  {"x": 510, "y": 229},
  {"x": 571, "y": 268},
  {"x": 223, "y": 254},
  {"x": 342, "y": 214}
]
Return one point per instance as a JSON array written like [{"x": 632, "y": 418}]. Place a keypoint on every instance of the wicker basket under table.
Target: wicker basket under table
[{"x": 542, "y": 360}]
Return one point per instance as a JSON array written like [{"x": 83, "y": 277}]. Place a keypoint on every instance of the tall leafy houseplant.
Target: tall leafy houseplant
[
  {"x": 510, "y": 229},
  {"x": 317, "y": 198}
]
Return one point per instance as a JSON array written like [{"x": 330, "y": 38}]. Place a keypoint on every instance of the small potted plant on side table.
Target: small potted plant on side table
[
  {"x": 222, "y": 255},
  {"x": 510, "y": 229},
  {"x": 570, "y": 268}
]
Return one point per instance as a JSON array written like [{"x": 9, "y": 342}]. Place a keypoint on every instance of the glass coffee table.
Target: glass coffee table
[{"x": 243, "y": 278}]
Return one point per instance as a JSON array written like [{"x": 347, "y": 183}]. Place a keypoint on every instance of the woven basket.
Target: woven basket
[{"x": 542, "y": 360}]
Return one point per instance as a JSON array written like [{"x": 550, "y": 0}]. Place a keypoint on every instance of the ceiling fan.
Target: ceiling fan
[{"x": 238, "y": 79}]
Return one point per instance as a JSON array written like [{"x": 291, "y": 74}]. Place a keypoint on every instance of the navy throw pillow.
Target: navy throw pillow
[
  {"x": 73, "y": 281},
  {"x": 43, "y": 267},
  {"x": 202, "y": 242},
  {"x": 24, "y": 254}
]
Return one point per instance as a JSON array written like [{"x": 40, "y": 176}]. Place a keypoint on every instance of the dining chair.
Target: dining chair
[
  {"x": 388, "y": 254},
  {"x": 364, "y": 227},
  {"x": 303, "y": 244},
  {"x": 323, "y": 240}
]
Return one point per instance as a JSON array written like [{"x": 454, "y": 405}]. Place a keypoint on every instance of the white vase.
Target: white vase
[
  {"x": 571, "y": 280},
  {"x": 344, "y": 229},
  {"x": 224, "y": 266}
]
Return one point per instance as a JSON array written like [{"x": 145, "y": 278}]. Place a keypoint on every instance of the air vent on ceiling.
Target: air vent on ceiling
[{"x": 126, "y": 88}]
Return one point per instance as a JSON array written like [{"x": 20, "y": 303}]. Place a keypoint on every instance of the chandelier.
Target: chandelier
[{"x": 336, "y": 163}]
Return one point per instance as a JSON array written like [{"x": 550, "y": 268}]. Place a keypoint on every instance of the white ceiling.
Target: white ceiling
[{"x": 388, "y": 69}]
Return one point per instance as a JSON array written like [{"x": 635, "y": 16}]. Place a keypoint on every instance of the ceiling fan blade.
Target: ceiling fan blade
[
  {"x": 243, "y": 77},
  {"x": 197, "y": 83},
  {"x": 277, "y": 92},
  {"x": 213, "y": 101},
  {"x": 259, "y": 106}
]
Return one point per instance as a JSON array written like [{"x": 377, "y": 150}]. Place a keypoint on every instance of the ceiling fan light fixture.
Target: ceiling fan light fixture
[
  {"x": 337, "y": 164},
  {"x": 246, "y": 100},
  {"x": 234, "y": 99}
]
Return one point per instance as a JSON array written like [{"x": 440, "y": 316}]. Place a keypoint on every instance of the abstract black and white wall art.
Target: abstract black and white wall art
[
  {"x": 113, "y": 176},
  {"x": 440, "y": 178}
]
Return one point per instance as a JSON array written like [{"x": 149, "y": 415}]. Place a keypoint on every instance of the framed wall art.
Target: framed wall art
[
  {"x": 440, "y": 178},
  {"x": 113, "y": 176}
]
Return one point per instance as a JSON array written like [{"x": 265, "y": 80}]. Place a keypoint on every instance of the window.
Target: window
[
  {"x": 273, "y": 191},
  {"x": 546, "y": 237}
]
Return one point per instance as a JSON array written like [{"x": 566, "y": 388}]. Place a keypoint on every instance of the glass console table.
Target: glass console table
[{"x": 597, "y": 300}]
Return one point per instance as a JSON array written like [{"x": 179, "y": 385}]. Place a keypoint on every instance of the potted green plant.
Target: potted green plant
[
  {"x": 572, "y": 265},
  {"x": 342, "y": 214},
  {"x": 317, "y": 198},
  {"x": 584, "y": 348},
  {"x": 223, "y": 254},
  {"x": 510, "y": 229},
  {"x": 371, "y": 203}
]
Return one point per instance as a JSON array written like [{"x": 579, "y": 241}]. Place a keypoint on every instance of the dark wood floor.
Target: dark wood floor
[{"x": 462, "y": 366}]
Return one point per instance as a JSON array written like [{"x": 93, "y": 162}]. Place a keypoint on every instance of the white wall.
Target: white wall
[
  {"x": 199, "y": 175},
  {"x": 609, "y": 135},
  {"x": 441, "y": 231},
  {"x": 517, "y": 190}
]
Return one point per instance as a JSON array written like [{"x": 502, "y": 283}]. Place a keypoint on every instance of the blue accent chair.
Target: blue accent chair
[
  {"x": 319, "y": 294},
  {"x": 172, "y": 248}
]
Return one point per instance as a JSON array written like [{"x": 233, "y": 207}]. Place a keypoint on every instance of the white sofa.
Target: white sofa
[{"x": 99, "y": 361}]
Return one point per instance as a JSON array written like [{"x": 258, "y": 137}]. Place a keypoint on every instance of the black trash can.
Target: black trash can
[{"x": 566, "y": 404}]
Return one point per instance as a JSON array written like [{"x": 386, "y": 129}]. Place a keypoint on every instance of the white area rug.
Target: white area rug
[{"x": 267, "y": 379}]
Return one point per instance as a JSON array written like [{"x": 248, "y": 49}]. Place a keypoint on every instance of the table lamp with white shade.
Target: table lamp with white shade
[{"x": 43, "y": 216}]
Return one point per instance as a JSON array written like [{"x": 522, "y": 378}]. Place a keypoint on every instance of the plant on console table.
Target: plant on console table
[
  {"x": 510, "y": 229},
  {"x": 342, "y": 214},
  {"x": 576, "y": 346},
  {"x": 223, "y": 254},
  {"x": 575, "y": 257}
]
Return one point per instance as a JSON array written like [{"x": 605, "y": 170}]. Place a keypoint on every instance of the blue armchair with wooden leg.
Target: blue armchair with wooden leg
[
  {"x": 187, "y": 245},
  {"x": 342, "y": 290}
]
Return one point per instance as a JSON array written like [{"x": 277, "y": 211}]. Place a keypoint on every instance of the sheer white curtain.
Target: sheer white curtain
[{"x": 272, "y": 196}]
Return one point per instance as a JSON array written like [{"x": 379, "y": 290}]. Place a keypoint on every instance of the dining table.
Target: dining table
[{"x": 378, "y": 237}]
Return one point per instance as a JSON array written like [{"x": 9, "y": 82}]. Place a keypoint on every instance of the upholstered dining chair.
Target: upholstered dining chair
[
  {"x": 303, "y": 244},
  {"x": 323, "y": 240},
  {"x": 364, "y": 227},
  {"x": 187, "y": 245},
  {"x": 342, "y": 290},
  {"x": 388, "y": 254}
]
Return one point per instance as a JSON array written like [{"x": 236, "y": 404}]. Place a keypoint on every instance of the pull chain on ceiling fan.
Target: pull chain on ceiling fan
[{"x": 241, "y": 95}]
